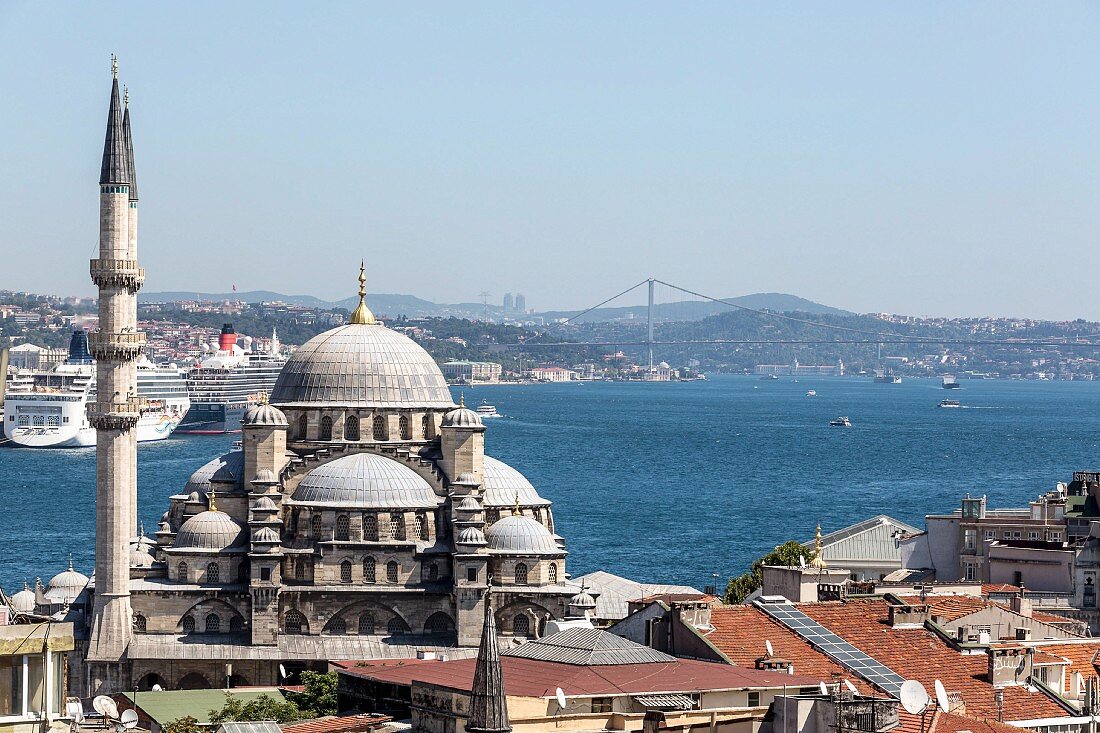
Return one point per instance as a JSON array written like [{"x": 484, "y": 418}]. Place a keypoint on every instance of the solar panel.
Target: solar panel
[{"x": 835, "y": 647}]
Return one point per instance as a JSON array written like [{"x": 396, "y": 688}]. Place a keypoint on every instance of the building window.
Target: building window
[
  {"x": 991, "y": 534},
  {"x": 426, "y": 427},
  {"x": 968, "y": 569},
  {"x": 521, "y": 574},
  {"x": 337, "y": 627},
  {"x": 213, "y": 623},
  {"x": 368, "y": 570},
  {"x": 351, "y": 428},
  {"x": 303, "y": 423},
  {"x": 370, "y": 527},
  {"x": 1034, "y": 535},
  {"x": 300, "y": 569},
  {"x": 345, "y": 571},
  {"x": 140, "y": 623},
  {"x": 969, "y": 539},
  {"x": 397, "y": 526},
  {"x": 754, "y": 699},
  {"x": 379, "y": 425},
  {"x": 421, "y": 527},
  {"x": 1090, "y": 594},
  {"x": 406, "y": 428},
  {"x": 181, "y": 571},
  {"x": 552, "y": 572},
  {"x": 295, "y": 623},
  {"x": 212, "y": 572},
  {"x": 189, "y": 624},
  {"x": 397, "y": 626},
  {"x": 601, "y": 704},
  {"x": 343, "y": 528},
  {"x": 491, "y": 516},
  {"x": 265, "y": 574},
  {"x": 439, "y": 623},
  {"x": 326, "y": 428},
  {"x": 391, "y": 572},
  {"x": 471, "y": 575},
  {"x": 315, "y": 526},
  {"x": 243, "y": 573},
  {"x": 521, "y": 625},
  {"x": 235, "y": 624}
]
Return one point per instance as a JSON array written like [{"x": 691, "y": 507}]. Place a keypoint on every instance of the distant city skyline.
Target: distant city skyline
[{"x": 928, "y": 160}]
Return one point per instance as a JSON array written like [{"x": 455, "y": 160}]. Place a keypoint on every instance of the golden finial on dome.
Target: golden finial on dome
[
  {"x": 213, "y": 506},
  {"x": 818, "y": 561},
  {"x": 362, "y": 314},
  {"x": 261, "y": 398},
  {"x": 515, "y": 509}
]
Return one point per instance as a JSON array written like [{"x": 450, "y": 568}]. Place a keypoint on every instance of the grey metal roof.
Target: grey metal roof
[
  {"x": 113, "y": 167},
  {"x": 365, "y": 480},
  {"x": 131, "y": 170},
  {"x": 502, "y": 484},
  {"x": 520, "y": 535},
  {"x": 266, "y": 726},
  {"x": 665, "y": 702},
  {"x": 264, "y": 414},
  {"x": 871, "y": 540},
  {"x": 223, "y": 647},
  {"x": 614, "y": 592},
  {"x": 362, "y": 365},
  {"x": 225, "y": 468},
  {"x": 587, "y": 647}
]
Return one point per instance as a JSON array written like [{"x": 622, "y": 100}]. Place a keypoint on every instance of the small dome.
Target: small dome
[
  {"x": 23, "y": 601},
  {"x": 266, "y": 535},
  {"x": 503, "y": 484},
  {"x": 466, "y": 477},
  {"x": 462, "y": 417},
  {"x": 265, "y": 415},
  {"x": 140, "y": 558},
  {"x": 265, "y": 476},
  {"x": 365, "y": 480},
  {"x": 469, "y": 504},
  {"x": 228, "y": 468},
  {"x": 210, "y": 531},
  {"x": 471, "y": 536},
  {"x": 519, "y": 535},
  {"x": 265, "y": 504},
  {"x": 583, "y": 601},
  {"x": 66, "y": 585}
]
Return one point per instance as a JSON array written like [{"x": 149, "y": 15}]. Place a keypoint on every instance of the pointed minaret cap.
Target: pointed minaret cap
[
  {"x": 131, "y": 172},
  {"x": 488, "y": 704},
  {"x": 362, "y": 314},
  {"x": 113, "y": 169}
]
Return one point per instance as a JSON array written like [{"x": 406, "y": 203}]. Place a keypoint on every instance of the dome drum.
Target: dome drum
[{"x": 210, "y": 532}]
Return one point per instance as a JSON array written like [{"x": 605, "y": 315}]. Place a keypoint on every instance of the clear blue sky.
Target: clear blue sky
[{"x": 925, "y": 158}]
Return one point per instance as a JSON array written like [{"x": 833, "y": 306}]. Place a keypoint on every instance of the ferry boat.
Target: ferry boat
[
  {"x": 949, "y": 403},
  {"x": 949, "y": 382},
  {"x": 487, "y": 410},
  {"x": 227, "y": 381},
  {"x": 47, "y": 409},
  {"x": 841, "y": 422},
  {"x": 811, "y": 393}
]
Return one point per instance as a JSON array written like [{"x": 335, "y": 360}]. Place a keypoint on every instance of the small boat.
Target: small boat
[
  {"x": 487, "y": 410},
  {"x": 841, "y": 422},
  {"x": 811, "y": 393},
  {"x": 881, "y": 377},
  {"x": 949, "y": 403},
  {"x": 769, "y": 378},
  {"x": 949, "y": 382}
]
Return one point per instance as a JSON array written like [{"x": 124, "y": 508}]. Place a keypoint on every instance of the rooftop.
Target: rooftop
[{"x": 172, "y": 704}]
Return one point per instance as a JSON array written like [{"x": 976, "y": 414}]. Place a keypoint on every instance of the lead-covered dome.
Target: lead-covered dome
[
  {"x": 520, "y": 535},
  {"x": 66, "y": 585},
  {"x": 502, "y": 484},
  {"x": 362, "y": 365},
  {"x": 264, "y": 414},
  {"x": 23, "y": 601},
  {"x": 228, "y": 468},
  {"x": 367, "y": 481},
  {"x": 210, "y": 531}
]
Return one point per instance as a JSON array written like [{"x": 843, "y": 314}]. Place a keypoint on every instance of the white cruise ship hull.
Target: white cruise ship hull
[{"x": 153, "y": 426}]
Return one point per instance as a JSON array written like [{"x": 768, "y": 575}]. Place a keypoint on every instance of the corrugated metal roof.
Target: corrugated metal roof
[
  {"x": 290, "y": 647},
  {"x": 615, "y": 592},
  {"x": 587, "y": 647},
  {"x": 665, "y": 702},
  {"x": 869, "y": 540}
]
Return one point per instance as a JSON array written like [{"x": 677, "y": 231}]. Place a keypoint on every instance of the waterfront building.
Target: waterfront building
[
  {"x": 794, "y": 369},
  {"x": 551, "y": 374},
  {"x": 471, "y": 371},
  {"x": 868, "y": 550}
]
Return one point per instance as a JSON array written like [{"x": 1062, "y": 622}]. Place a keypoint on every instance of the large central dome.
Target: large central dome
[{"x": 361, "y": 365}]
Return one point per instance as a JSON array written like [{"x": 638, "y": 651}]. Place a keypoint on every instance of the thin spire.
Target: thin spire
[
  {"x": 515, "y": 509},
  {"x": 70, "y": 562},
  {"x": 362, "y": 314},
  {"x": 818, "y": 561},
  {"x": 488, "y": 704},
  {"x": 113, "y": 168},
  {"x": 131, "y": 172}
]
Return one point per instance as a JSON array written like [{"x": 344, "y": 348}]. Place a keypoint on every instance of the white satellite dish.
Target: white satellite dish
[
  {"x": 129, "y": 718},
  {"x": 851, "y": 688},
  {"x": 768, "y": 646},
  {"x": 158, "y": 688},
  {"x": 941, "y": 697},
  {"x": 560, "y": 695},
  {"x": 801, "y": 561},
  {"x": 824, "y": 689},
  {"x": 75, "y": 710},
  {"x": 914, "y": 698},
  {"x": 105, "y": 706},
  {"x": 282, "y": 672}
]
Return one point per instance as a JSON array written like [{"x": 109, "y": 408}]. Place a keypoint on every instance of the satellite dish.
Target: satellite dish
[
  {"x": 282, "y": 672},
  {"x": 768, "y": 646},
  {"x": 75, "y": 710},
  {"x": 105, "y": 706},
  {"x": 158, "y": 688},
  {"x": 129, "y": 718},
  {"x": 914, "y": 698},
  {"x": 824, "y": 689},
  {"x": 851, "y": 688},
  {"x": 801, "y": 561},
  {"x": 560, "y": 694},
  {"x": 941, "y": 697}
]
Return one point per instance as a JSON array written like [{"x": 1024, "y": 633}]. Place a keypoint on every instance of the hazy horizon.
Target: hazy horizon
[{"x": 921, "y": 160}]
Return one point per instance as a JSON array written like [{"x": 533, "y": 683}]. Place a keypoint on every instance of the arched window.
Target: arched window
[
  {"x": 300, "y": 569},
  {"x": 491, "y": 516},
  {"x": 181, "y": 571},
  {"x": 337, "y": 627},
  {"x": 391, "y": 572},
  {"x": 397, "y": 526},
  {"x": 140, "y": 623},
  {"x": 381, "y": 432},
  {"x": 351, "y": 428},
  {"x": 345, "y": 571},
  {"x": 368, "y": 570},
  {"x": 366, "y": 624},
  {"x": 303, "y": 423},
  {"x": 343, "y": 528},
  {"x": 426, "y": 427},
  {"x": 429, "y": 571},
  {"x": 521, "y": 625},
  {"x": 421, "y": 527},
  {"x": 370, "y": 527},
  {"x": 235, "y": 624},
  {"x": 397, "y": 626},
  {"x": 326, "y": 428},
  {"x": 188, "y": 624},
  {"x": 550, "y": 520},
  {"x": 439, "y": 623},
  {"x": 315, "y": 525},
  {"x": 243, "y": 574},
  {"x": 521, "y": 574},
  {"x": 213, "y": 623},
  {"x": 406, "y": 428},
  {"x": 295, "y": 623},
  {"x": 212, "y": 572},
  {"x": 552, "y": 572}
]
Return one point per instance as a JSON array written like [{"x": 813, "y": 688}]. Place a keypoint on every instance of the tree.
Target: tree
[
  {"x": 186, "y": 724},
  {"x": 263, "y": 707},
  {"x": 319, "y": 694},
  {"x": 789, "y": 554}
]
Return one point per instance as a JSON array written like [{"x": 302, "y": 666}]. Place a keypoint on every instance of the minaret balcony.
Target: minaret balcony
[
  {"x": 116, "y": 345},
  {"x": 120, "y": 415},
  {"x": 118, "y": 274}
]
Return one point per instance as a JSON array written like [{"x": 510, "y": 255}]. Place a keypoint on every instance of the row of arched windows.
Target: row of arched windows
[
  {"x": 437, "y": 623},
  {"x": 212, "y": 624},
  {"x": 213, "y": 572},
  {"x": 492, "y": 515},
  {"x": 397, "y": 527},
  {"x": 380, "y": 428},
  {"x": 370, "y": 571}
]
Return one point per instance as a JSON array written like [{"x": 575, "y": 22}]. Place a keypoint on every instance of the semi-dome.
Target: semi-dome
[
  {"x": 502, "y": 484},
  {"x": 266, "y": 535},
  {"x": 361, "y": 365},
  {"x": 228, "y": 468},
  {"x": 471, "y": 536},
  {"x": 23, "y": 601},
  {"x": 210, "y": 531},
  {"x": 266, "y": 415},
  {"x": 265, "y": 476},
  {"x": 520, "y": 535},
  {"x": 265, "y": 504},
  {"x": 367, "y": 481},
  {"x": 66, "y": 585}
]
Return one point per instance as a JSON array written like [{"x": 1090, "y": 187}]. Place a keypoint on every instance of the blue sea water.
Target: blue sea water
[{"x": 668, "y": 482}]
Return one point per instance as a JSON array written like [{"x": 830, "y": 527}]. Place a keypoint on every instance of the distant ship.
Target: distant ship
[
  {"x": 881, "y": 377},
  {"x": 47, "y": 409},
  {"x": 487, "y": 410},
  {"x": 950, "y": 403},
  {"x": 841, "y": 422},
  {"x": 227, "y": 381},
  {"x": 949, "y": 382}
]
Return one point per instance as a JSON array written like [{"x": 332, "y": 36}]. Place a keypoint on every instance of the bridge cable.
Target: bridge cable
[{"x": 589, "y": 310}]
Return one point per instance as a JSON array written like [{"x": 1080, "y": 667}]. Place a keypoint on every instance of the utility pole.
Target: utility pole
[{"x": 649, "y": 328}]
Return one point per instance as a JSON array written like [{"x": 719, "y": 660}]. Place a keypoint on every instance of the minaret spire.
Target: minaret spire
[
  {"x": 362, "y": 314},
  {"x": 488, "y": 705},
  {"x": 113, "y": 168},
  {"x": 128, "y": 143}
]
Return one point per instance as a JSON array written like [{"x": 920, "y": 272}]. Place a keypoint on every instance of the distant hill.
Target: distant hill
[{"x": 395, "y": 304}]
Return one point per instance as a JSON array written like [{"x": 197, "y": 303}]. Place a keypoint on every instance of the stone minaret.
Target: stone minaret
[
  {"x": 115, "y": 412},
  {"x": 131, "y": 240}
]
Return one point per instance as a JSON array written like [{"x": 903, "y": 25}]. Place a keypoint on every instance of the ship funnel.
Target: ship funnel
[
  {"x": 228, "y": 339},
  {"x": 78, "y": 348}
]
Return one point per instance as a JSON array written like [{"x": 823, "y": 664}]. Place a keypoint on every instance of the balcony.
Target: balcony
[
  {"x": 124, "y": 274},
  {"x": 116, "y": 345},
  {"x": 122, "y": 415}
]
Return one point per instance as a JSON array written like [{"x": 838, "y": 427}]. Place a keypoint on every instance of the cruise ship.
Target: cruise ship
[
  {"x": 227, "y": 381},
  {"x": 46, "y": 409}
]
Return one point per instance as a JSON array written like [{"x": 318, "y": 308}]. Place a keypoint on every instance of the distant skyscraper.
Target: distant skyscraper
[
  {"x": 521, "y": 303},
  {"x": 509, "y": 303}
]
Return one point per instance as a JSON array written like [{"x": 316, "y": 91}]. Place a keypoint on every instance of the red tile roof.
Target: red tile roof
[
  {"x": 956, "y": 723},
  {"x": 1082, "y": 656},
  {"x": 338, "y": 724},
  {"x": 988, "y": 588},
  {"x": 951, "y": 608}
]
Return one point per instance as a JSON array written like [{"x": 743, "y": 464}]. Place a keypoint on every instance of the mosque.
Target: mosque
[{"x": 360, "y": 519}]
